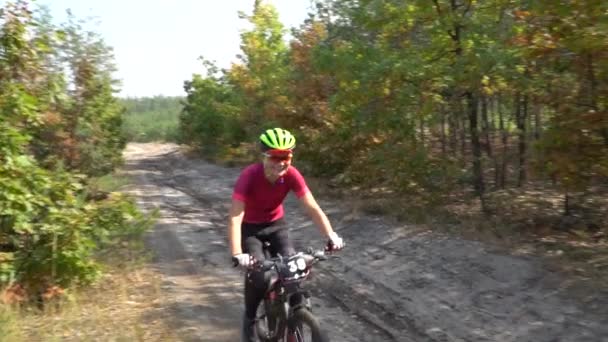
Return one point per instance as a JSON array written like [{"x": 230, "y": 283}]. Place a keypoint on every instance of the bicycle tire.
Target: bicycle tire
[
  {"x": 270, "y": 323},
  {"x": 305, "y": 317}
]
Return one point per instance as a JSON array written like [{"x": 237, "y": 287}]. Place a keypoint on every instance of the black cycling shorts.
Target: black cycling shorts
[{"x": 254, "y": 235}]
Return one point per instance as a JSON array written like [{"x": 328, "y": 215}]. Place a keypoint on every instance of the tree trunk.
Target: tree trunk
[
  {"x": 494, "y": 107},
  {"x": 521, "y": 112},
  {"x": 592, "y": 82},
  {"x": 593, "y": 97},
  {"x": 422, "y": 139},
  {"x": 475, "y": 146},
  {"x": 505, "y": 140},
  {"x": 537, "y": 122},
  {"x": 443, "y": 138},
  {"x": 486, "y": 126},
  {"x": 463, "y": 131},
  {"x": 494, "y": 120},
  {"x": 453, "y": 127}
]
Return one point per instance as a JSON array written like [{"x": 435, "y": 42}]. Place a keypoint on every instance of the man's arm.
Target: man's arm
[
  {"x": 316, "y": 214},
  {"x": 235, "y": 220}
]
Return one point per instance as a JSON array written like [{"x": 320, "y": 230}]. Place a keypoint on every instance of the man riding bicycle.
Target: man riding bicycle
[{"x": 256, "y": 214}]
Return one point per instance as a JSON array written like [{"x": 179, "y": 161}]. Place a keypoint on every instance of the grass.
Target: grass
[
  {"x": 9, "y": 325},
  {"x": 125, "y": 305},
  {"x": 109, "y": 183},
  {"x": 151, "y": 126}
]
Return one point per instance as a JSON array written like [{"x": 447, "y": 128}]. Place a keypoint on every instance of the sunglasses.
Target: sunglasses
[{"x": 278, "y": 158}]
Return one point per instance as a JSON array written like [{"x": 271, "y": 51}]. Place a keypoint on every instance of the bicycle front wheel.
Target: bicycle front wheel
[
  {"x": 304, "y": 327},
  {"x": 270, "y": 321}
]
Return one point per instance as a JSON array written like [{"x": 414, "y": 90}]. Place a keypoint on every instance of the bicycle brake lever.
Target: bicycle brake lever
[{"x": 320, "y": 255}]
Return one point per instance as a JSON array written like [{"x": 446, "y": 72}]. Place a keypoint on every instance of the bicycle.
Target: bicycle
[{"x": 286, "y": 313}]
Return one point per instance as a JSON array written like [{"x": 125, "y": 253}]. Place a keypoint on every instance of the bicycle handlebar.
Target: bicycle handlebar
[{"x": 310, "y": 256}]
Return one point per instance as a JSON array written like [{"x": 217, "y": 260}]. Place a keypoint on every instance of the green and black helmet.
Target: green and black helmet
[{"x": 277, "y": 139}]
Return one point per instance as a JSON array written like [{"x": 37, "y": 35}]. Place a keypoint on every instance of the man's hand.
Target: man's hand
[
  {"x": 243, "y": 260},
  {"x": 335, "y": 242}
]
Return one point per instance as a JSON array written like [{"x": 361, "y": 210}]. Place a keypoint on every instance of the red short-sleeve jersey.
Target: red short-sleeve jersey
[{"x": 264, "y": 200}]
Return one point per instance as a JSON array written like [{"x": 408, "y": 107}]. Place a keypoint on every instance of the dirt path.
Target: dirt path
[{"x": 392, "y": 283}]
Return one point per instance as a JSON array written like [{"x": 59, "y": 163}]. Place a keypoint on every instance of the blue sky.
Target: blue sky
[{"x": 157, "y": 42}]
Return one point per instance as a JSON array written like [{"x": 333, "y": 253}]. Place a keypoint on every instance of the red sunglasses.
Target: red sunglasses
[{"x": 279, "y": 156}]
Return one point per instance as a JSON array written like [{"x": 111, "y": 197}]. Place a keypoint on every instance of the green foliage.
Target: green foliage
[
  {"x": 52, "y": 138},
  {"x": 151, "y": 118},
  {"x": 571, "y": 83},
  {"x": 210, "y": 118},
  {"x": 224, "y": 109},
  {"x": 421, "y": 96},
  {"x": 572, "y": 153},
  {"x": 67, "y": 83},
  {"x": 107, "y": 183},
  {"x": 49, "y": 232},
  {"x": 259, "y": 84},
  {"x": 117, "y": 219}
]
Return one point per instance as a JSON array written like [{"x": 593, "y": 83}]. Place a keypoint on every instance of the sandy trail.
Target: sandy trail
[{"x": 392, "y": 283}]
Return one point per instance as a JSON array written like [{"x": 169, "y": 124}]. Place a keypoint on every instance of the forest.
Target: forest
[
  {"x": 494, "y": 107},
  {"x": 500, "y": 104},
  {"x": 151, "y": 118}
]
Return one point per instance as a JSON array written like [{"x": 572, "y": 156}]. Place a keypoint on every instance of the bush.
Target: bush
[
  {"x": 51, "y": 139},
  {"x": 49, "y": 232}
]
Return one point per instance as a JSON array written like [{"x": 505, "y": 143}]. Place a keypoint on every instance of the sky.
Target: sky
[{"x": 157, "y": 43}]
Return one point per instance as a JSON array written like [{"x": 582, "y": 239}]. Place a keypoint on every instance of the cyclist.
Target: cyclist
[{"x": 256, "y": 214}]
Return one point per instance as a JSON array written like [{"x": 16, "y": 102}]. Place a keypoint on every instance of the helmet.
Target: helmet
[{"x": 277, "y": 139}]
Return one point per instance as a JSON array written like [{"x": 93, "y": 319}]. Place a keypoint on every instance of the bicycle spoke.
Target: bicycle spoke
[{"x": 303, "y": 334}]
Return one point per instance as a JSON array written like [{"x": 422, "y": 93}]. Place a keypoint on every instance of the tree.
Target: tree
[
  {"x": 49, "y": 229},
  {"x": 413, "y": 93},
  {"x": 262, "y": 75}
]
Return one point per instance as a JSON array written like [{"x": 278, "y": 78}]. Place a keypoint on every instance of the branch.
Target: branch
[
  {"x": 450, "y": 32},
  {"x": 468, "y": 8}
]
